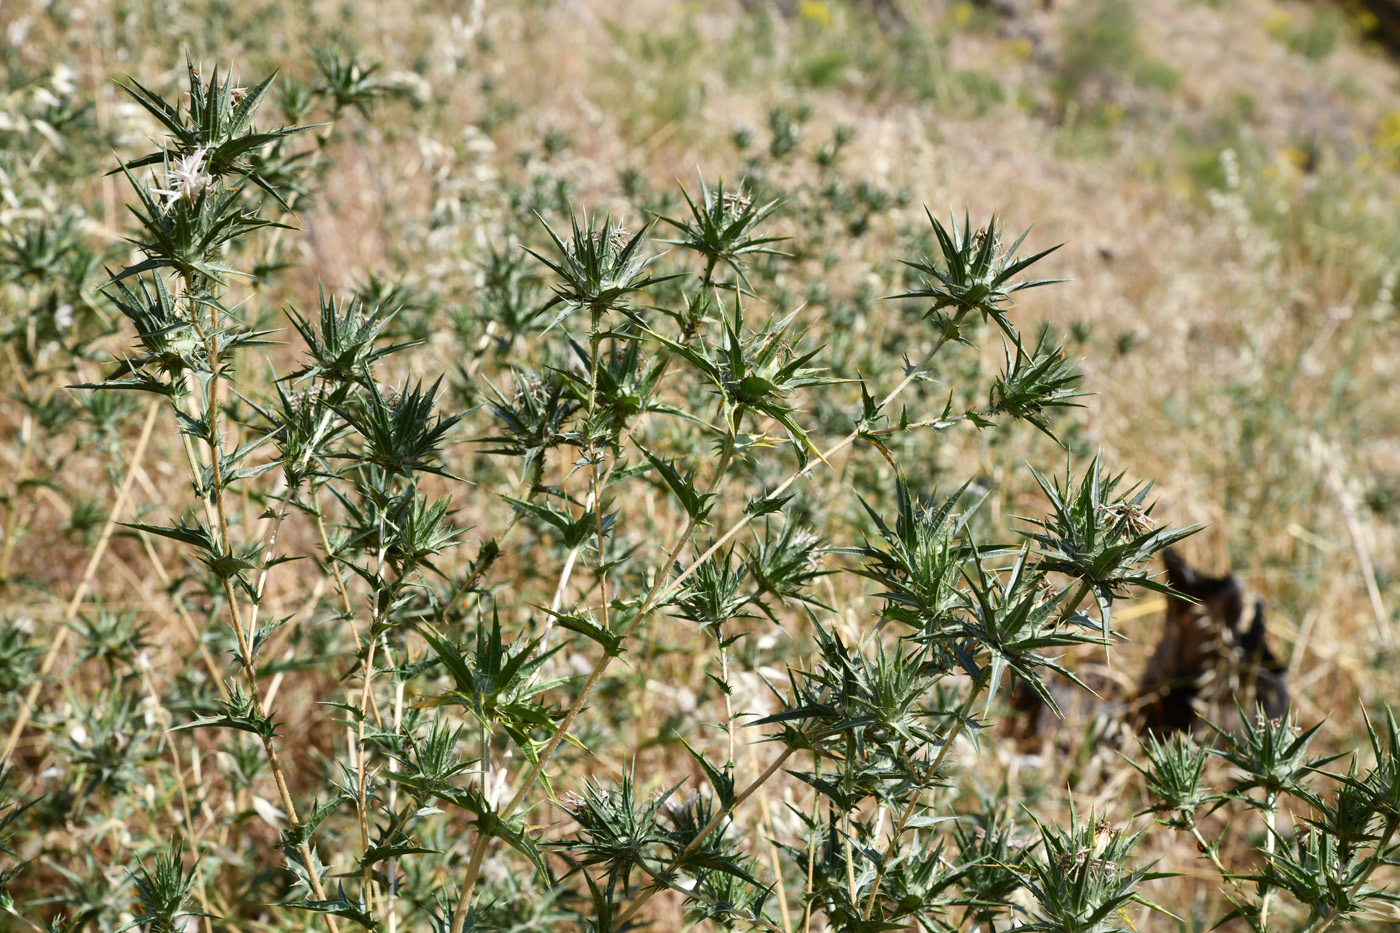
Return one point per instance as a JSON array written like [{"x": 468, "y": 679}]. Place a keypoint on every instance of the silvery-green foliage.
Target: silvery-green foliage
[
  {"x": 1328, "y": 862},
  {"x": 642, "y": 416}
]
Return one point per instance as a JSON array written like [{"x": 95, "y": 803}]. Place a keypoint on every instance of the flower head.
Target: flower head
[{"x": 186, "y": 178}]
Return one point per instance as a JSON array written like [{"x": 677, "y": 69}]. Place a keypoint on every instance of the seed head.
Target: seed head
[
  {"x": 1132, "y": 517},
  {"x": 737, "y": 202}
]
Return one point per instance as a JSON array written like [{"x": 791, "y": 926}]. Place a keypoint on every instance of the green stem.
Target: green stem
[
  {"x": 250, "y": 674},
  {"x": 850, "y": 764},
  {"x": 367, "y": 677},
  {"x": 812, "y": 853},
  {"x": 1210, "y": 852},
  {"x": 320, "y": 516},
  {"x": 595, "y": 348},
  {"x": 729, "y": 723},
  {"x": 1270, "y": 812},
  {"x": 597, "y": 482}
]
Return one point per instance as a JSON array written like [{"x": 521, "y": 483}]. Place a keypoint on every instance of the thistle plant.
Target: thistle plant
[
  {"x": 879, "y": 719},
  {"x": 975, "y": 273},
  {"x": 466, "y": 615},
  {"x": 1327, "y": 860},
  {"x": 186, "y": 232},
  {"x": 1078, "y": 880},
  {"x": 720, "y": 229},
  {"x": 164, "y": 891}
]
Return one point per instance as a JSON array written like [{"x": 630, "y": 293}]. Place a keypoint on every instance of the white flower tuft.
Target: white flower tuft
[{"x": 186, "y": 178}]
